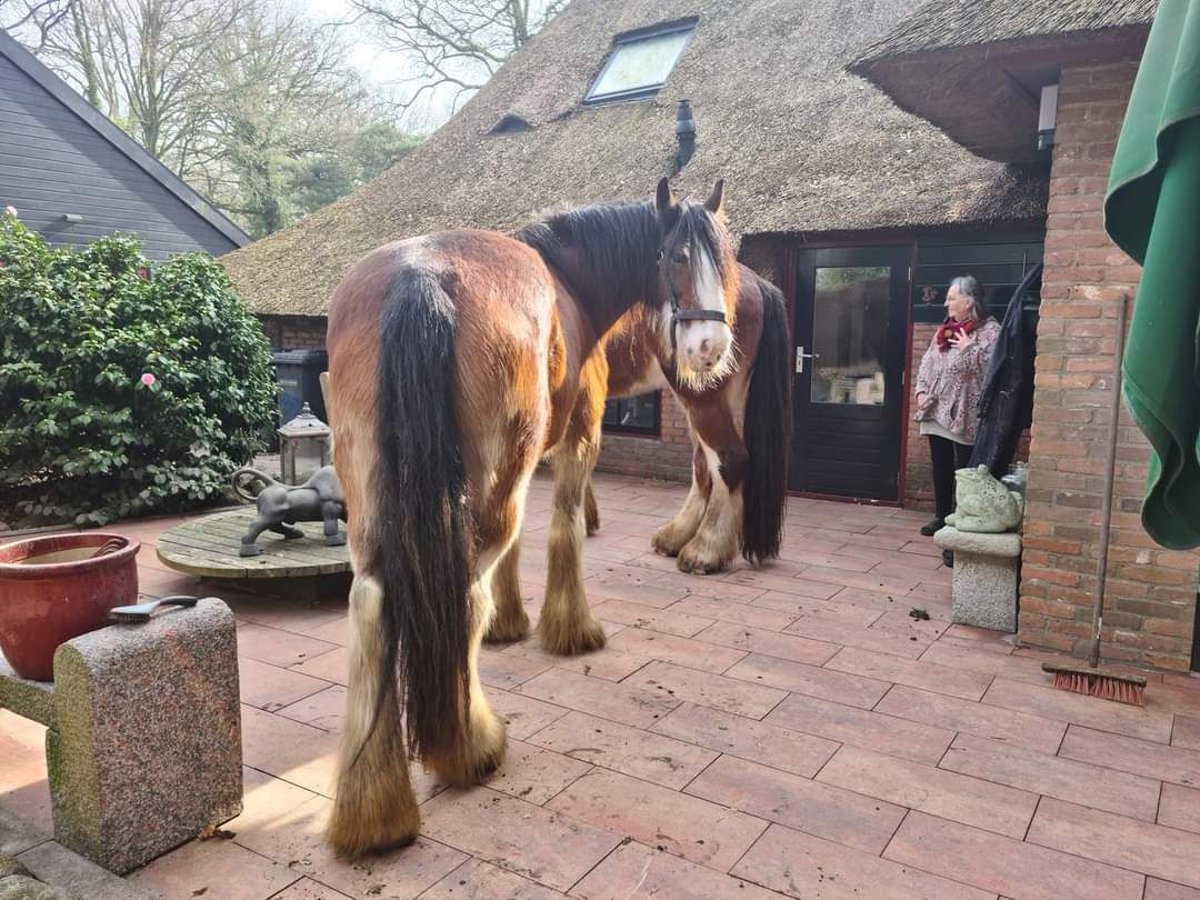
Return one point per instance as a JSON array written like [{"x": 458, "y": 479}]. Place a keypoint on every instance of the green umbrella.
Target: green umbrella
[{"x": 1152, "y": 212}]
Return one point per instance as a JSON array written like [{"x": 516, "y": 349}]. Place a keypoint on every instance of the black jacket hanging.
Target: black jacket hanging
[{"x": 1006, "y": 402}]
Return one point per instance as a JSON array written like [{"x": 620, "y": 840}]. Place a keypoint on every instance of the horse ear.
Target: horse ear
[
  {"x": 716, "y": 198},
  {"x": 663, "y": 199}
]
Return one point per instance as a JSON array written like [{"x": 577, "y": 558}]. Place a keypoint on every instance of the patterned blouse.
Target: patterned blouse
[{"x": 951, "y": 381}]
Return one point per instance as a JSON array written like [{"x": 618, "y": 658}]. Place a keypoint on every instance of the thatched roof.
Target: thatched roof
[
  {"x": 804, "y": 145},
  {"x": 975, "y": 67}
]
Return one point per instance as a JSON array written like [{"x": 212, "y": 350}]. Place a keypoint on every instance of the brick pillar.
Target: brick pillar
[{"x": 1151, "y": 592}]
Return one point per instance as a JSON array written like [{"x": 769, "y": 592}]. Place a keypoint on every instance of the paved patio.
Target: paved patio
[{"x": 785, "y": 732}]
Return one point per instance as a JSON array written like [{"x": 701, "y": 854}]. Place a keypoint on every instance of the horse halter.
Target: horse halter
[{"x": 688, "y": 315}]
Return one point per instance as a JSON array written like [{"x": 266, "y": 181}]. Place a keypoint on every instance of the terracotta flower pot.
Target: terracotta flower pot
[{"x": 53, "y": 589}]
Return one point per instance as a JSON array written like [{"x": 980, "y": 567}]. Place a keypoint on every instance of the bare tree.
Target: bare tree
[
  {"x": 34, "y": 19},
  {"x": 455, "y": 44}
]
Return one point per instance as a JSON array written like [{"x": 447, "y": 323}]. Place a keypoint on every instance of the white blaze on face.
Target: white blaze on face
[{"x": 704, "y": 346}]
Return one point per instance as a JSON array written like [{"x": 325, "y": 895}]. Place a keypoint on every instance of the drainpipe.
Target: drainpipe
[{"x": 685, "y": 134}]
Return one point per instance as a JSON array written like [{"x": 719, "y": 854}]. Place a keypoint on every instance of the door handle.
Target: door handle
[{"x": 801, "y": 356}]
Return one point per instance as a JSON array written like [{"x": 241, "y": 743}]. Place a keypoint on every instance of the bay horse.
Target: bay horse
[
  {"x": 741, "y": 428},
  {"x": 456, "y": 361}
]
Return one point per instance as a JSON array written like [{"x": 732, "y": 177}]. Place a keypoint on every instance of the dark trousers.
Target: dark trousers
[{"x": 947, "y": 456}]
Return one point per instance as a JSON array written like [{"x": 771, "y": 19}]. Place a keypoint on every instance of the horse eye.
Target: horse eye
[{"x": 681, "y": 257}]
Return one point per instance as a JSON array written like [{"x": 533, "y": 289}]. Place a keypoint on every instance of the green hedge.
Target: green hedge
[{"x": 123, "y": 393}]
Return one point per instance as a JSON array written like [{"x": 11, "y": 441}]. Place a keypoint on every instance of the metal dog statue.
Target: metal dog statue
[{"x": 319, "y": 499}]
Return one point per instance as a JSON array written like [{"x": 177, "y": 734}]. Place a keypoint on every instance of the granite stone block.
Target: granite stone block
[
  {"x": 146, "y": 750},
  {"x": 985, "y": 581}
]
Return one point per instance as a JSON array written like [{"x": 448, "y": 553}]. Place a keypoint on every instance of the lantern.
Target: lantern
[{"x": 304, "y": 446}]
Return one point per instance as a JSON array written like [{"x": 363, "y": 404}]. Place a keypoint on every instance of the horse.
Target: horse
[
  {"x": 741, "y": 428},
  {"x": 457, "y": 360}
]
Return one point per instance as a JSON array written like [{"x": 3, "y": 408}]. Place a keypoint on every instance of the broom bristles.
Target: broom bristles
[{"x": 1099, "y": 683}]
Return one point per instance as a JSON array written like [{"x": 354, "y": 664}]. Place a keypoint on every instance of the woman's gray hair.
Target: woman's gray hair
[{"x": 969, "y": 287}]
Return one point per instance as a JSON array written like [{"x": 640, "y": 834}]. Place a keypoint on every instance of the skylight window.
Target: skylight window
[{"x": 641, "y": 62}]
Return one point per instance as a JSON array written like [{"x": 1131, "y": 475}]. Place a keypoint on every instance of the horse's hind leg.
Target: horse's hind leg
[
  {"x": 511, "y": 622},
  {"x": 566, "y": 625},
  {"x": 591, "y": 512},
  {"x": 375, "y": 806},
  {"x": 673, "y": 536}
]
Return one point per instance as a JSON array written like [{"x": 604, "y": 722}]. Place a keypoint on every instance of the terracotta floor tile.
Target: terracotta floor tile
[
  {"x": 1128, "y": 754},
  {"x": 271, "y": 688},
  {"x": 974, "y": 656},
  {"x": 1157, "y": 889},
  {"x": 296, "y": 752},
  {"x": 296, "y": 840},
  {"x": 501, "y": 669},
  {"x": 842, "y": 563},
  {"x": 826, "y": 611},
  {"x": 307, "y": 889},
  {"x": 810, "y": 680},
  {"x": 335, "y": 631},
  {"x": 647, "y": 645},
  {"x": 768, "y": 643},
  {"x": 278, "y": 647},
  {"x": 1180, "y": 808},
  {"x": 641, "y": 586},
  {"x": 213, "y": 868},
  {"x": 535, "y": 774},
  {"x": 670, "y": 620},
  {"x": 761, "y": 742},
  {"x": 1165, "y": 853},
  {"x": 677, "y": 683},
  {"x": 815, "y": 808},
  {"x": 742, "y": 613},
  {"x": 959, "y": 798},
  {"x": 333, "y": 666},
  {"x": 1005, "y": 866},
  {"x": 862, "y": 728},
  {"x": 538, "y": 843},
  {"x": 524, "y": 715},
  {"x": 1103, "y": 715},
  {"x": 651, "y": 757},
  {"x": 955, "y": 714},
  {"x": 1186, "y": 733},
  {"x": 265, "y": 800},
  {"x": 629, "y": 704},
  {"x": 634, "y": 870},
  {"x": 476, "y": 880},
  {"x": 866, "y": 580},
  {"x": 325, "y": 709},
  {"x": 1054, "y": 776},
  {"x": 611, "y": 664},
  {"x": 781, "y": 579},
  {"x": 805, "y": 867},
  {"x": 879, "y": 640},
  {"x": 911, "y": 672},
  {"x": 693, "y": 828},
  {"x": 868, "y": 599}
]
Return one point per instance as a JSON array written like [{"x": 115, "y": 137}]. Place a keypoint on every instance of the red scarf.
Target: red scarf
[{"x": 949, "y": 328}]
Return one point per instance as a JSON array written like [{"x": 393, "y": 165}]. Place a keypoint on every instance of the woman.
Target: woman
[{"x": 947, "y": 390}]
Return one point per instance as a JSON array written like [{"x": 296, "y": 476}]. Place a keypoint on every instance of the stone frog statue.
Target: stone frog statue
[
  {"x": 319, "y": 499},
  {"x": 984, "y": 504}
]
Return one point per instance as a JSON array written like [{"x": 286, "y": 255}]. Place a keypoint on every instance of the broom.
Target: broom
[{"x": 1091, "y": 679}]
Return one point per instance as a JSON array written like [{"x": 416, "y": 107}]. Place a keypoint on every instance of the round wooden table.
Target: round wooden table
[{"x": 208, "y": 547}]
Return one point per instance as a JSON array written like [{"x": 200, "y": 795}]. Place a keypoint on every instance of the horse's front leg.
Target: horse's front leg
[
  {"x": 511, "y": 622},
  {"x": 673, "y": 536},
  {"x": 566, "y": 625},
  {"x": 714, "y": 422}
]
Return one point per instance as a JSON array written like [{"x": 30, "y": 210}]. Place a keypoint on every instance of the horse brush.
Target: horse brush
[{"x": 141, "y": 612}]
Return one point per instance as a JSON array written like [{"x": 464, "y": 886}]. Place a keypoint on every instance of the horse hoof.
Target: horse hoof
[
  {"x": 571, "y": 640},
  {"x": 664, "y": 547},
  {"x": 249, "y": 550},
  {"x": 509, "y": 631},
  {"x": 694, "y": 564}
]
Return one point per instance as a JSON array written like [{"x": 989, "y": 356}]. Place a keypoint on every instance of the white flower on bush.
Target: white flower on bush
[{"x": 10, "y": 211}]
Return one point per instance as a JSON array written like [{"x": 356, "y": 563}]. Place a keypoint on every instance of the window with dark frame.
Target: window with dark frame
[
  {"x": 633, "y": 415},
  {"x": 640, "y": 62}
]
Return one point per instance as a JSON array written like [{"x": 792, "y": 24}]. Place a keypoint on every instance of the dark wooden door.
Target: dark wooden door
[{"x": 851, "y": 318}]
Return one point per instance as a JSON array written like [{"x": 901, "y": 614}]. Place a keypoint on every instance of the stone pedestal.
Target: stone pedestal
[
  {"x": 144, "y": 745},
  {"x": 986, "y": 568}
]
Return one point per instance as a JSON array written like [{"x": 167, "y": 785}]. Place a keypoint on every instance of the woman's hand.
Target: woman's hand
[{"x": 961, "y": 341}]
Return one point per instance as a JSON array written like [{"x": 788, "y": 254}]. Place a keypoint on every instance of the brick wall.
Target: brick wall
[
  {"x": 668, "y": 457},
  {"x": 294, "y": 332},
  {"x": 1150, "y": 593}
]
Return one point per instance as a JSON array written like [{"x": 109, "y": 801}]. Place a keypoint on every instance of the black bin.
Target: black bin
[{"x": 299, "y": 375}]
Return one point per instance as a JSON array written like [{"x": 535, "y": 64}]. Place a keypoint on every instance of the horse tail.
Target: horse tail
[
  {"x": 246, "y": 476},
  {"x": 767, "y": 432},
  {"x": 422, "y": 552}
]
